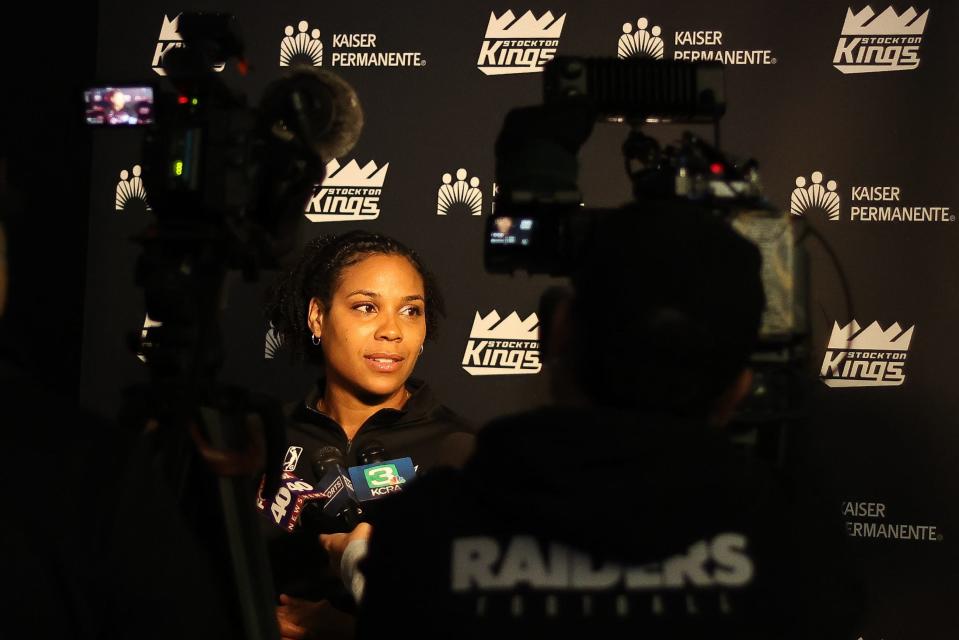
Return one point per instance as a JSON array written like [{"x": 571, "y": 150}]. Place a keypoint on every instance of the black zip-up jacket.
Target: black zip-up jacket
[
  {"x": 589, "y": 523},
  {"x": 424, "y": 430}
]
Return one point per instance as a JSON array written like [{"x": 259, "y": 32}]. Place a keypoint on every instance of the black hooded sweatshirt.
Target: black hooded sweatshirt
[{"x": 573, "y": 521}]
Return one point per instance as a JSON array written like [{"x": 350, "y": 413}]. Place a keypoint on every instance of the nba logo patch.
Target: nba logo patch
[{"x": 292, "y": 457}]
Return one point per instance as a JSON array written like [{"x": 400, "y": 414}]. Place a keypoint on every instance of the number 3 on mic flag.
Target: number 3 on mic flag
[{"x": 380, "y": 479}]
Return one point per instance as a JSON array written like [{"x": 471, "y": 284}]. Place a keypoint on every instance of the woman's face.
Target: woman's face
[
  {"x": 372, "y": 332},
  {"x": 118, "y": 100}
]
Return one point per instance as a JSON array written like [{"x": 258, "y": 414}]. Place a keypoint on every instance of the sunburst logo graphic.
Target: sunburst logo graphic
[
  {"x": 815, "y": 197},
  {"x": 130, "y": 189},
  {"x": 642, "y": 43},
  {"x": 301, "y": 45},
  {"x": 273, "y": 345},
  {"x": 460, "y": 192}
]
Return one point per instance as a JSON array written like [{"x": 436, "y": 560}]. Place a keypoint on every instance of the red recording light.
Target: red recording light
[
  {"x": 716, "y": 168},
  {"x": 182, "y": 99}
]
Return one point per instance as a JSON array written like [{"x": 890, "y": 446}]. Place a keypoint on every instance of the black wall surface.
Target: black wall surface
[
  {"x": 894, "y": 443},
  {"x": 47, "y": 150}
]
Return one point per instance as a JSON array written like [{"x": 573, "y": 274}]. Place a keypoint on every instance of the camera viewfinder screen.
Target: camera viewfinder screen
[
  {"x": 119, "y": 106},
  {"x": 511, "y": 231}
]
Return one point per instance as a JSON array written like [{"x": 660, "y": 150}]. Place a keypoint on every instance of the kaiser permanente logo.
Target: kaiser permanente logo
[
  {"x": 349, "y": 192},
  {"x": 463, "y": 194},
  {"x": 817, "y": 196},
  {"x": 870, "y": 357},
  {"x": 130, "y": 190},
  {"x": 170, "y": 38},
  {"x": 887, "y": 42},
  {"x": 303, "y": 45},
  {"x": 502, "y": 347},
  {"x": 648, "y": 41},
  {"x": 519, "y": 46},
  {"x": 272, "y": 345}
]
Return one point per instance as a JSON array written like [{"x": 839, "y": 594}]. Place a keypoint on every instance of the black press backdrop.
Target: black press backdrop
[{"x": 823, "y": 121}]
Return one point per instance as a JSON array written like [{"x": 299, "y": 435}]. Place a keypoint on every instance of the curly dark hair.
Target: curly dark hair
[{"x": 319, "y": 272}]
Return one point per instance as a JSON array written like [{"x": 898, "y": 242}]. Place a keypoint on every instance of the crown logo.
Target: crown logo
[
  {"x": 170, "y": 38},
  {"x": 873, "y": 338},
  {"x": 170, "y": 29},
  {"x": 352, "y": 175},
  {"x": 887, "y": 23},
  {"x": 527, "y": 27},
  {"x": 148, "y": 323},
  {"x": 512, "y": 328}
]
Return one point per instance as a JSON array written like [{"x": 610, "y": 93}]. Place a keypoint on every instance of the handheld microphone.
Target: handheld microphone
[
  {"x": 377, "y": 480},
  {"x": 372, "y": 452},
  {"x": 377, "y": 476},
  {"x": 340, "y": 512},
  {"x": 326, "y": 459},
  {"x": 295, "y": 500}
]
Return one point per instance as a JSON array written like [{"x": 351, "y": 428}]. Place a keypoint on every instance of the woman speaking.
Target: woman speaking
[{"x": 360, "y": 306}]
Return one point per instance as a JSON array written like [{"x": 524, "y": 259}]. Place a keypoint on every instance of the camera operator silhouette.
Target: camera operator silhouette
[{"x": 621, "y": 510}]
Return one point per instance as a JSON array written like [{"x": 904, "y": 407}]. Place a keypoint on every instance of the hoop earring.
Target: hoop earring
[
  {"x": 316, "y": 340},
  {"x": 421, "y": 349}
]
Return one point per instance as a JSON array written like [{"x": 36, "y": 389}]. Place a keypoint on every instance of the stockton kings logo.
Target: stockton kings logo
[
  {"x": 170, "y": 38},
  {"x": 130, "y": 190},
  {"x": 887, "y": 42},
  {"x": 145, "y": 343},
  {"x": 349, "y": 192},
  {"x": 815, "y": 197},
  {"x": 870, "y": 357},
  {"x": 459, "y": 194},
  {"x": 301, "y": 45},
  {"x": 641, "y": 43},
  {"x": 499, "y": 348},
  {"x": 292, "y": 458},
  {"x": 519, "y": 46}
]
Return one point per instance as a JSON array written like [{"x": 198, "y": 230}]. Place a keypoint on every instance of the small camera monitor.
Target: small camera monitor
[
  {"x": 119, "y": 106},
  {"x": 511, "y": 231}
]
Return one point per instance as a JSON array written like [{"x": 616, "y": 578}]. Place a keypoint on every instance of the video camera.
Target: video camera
[
  {"x": 227, "y": 184},
  {"x": 541, "y": 222}
]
